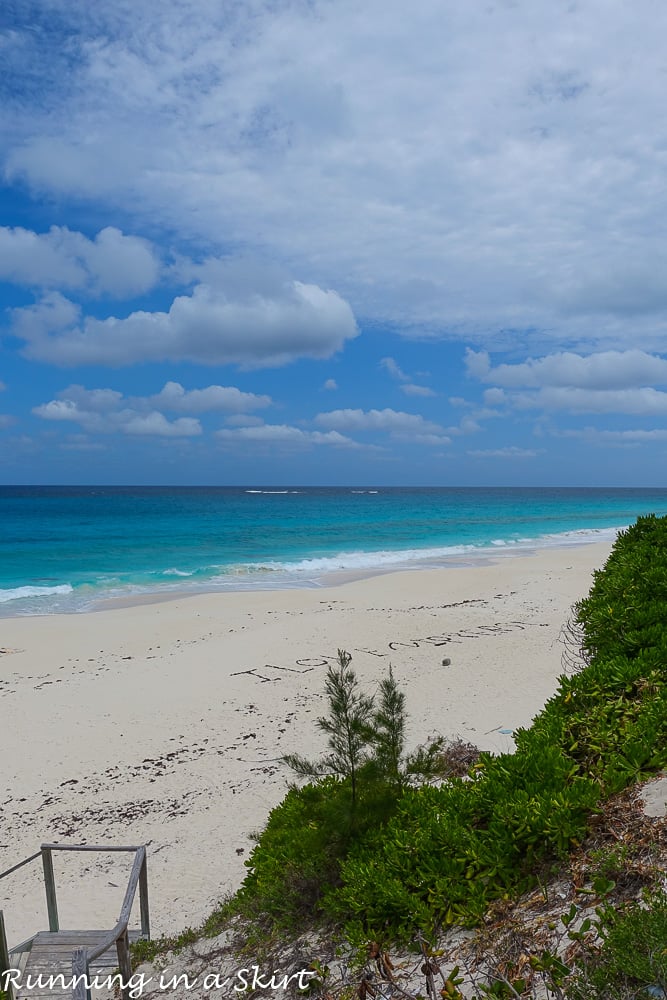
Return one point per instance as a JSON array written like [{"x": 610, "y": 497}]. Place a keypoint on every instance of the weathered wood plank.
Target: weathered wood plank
[
  {"x": 53, "y": 994},
  {"x": 5, "y": 964},
  {"x": 143, "y": 899},
  {"x": 80, "y": 968},
  {"x": 51, "y": 950},
  {"x": 15, "y": 868},
  {"x": 101, "y": 952},
  {"x": 86, "y": 847},
  {"x": 50, "y": 886}
]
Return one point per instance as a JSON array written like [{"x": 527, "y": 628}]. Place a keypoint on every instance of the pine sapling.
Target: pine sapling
[
  {"x": 388, "y": 736},
  {"x": 347, "y": 728}
]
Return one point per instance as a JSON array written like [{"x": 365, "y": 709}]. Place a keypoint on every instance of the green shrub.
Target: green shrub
[
  {"x": 297, "y": 854},
  {"x": 420, "y": 858},
  {"x": 359, "y": 783},
  {"x": 633, "y": 956}
]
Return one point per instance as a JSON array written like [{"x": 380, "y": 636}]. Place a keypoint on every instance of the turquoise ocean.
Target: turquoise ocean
[{"x": 68, "y": 549}]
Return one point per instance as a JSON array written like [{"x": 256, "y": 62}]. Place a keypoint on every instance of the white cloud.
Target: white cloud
[
  {"x": 487, "y": 413},
  {"x": 6, "y": 420},
  {"x": 594, "y": 435},
  {"x": 408, "y": 387},
  {"x": 478, "y": 363},
  {"x": 123, "y": 421},
  {"x": 644, "y": 402},
  {"x": 53, "y": 314},
  {"x": 156, "y": 424},
  {"x": 604, "y": 382},
  {"x": 214, "y": 397},
  {"x": 636, "y": 435},
  {"x": 512, "y": 451},
  {"x": 207, "y": 327},
  {"x": 283, "y": 434},
  {"x": 62, "y": 409},
  {"x": 330, "y": 385},
  {"x": 469, "y": 425},
  {"x": 111, "y": 263},
  {"x": 106, "y": 411},
  {"x": 92, "y": 400},
  {"x": 604, "y": 370},
  {"x": 390, "y": 366},
  {"x": 494, "y": 169},
  {"x": 402, "y": 426},
  {"x": 417, "y": 390}
]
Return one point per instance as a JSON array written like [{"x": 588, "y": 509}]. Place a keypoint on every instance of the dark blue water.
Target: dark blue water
[{"x": 67, "y": 548}]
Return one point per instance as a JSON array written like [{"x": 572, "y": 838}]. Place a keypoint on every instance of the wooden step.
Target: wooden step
[{"x": 51, "y": 955}]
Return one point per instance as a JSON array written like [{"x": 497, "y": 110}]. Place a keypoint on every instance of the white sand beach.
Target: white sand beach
[{"x": 161, "y": 723}]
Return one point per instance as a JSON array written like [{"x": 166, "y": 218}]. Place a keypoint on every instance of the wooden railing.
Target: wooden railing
[{"x": 118, "y": 935}]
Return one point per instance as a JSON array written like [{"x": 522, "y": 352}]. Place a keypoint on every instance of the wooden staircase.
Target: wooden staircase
[{"x": 62, "y": 963}]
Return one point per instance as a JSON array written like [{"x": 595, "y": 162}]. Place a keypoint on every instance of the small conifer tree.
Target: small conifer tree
[
  {"x": 347, "y": 728},
  {"x": 365, "y": 740},
  {"x": 388, "y": 730},
  {"x": 387, "y": 736}
]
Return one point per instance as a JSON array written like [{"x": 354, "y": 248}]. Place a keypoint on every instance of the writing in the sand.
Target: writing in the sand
[
  {"x": 251, "y": 978},
  {"x": 477, "y": 632},
  {"x": 309, "y": 663}
]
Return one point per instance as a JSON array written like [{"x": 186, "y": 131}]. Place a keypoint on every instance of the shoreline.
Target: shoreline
[
  {"x": 472, "y": 557},
  {"x": 162, "y": 722}
]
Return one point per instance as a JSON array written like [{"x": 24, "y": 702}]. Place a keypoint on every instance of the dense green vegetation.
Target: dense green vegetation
[
  {"x": 361, "y": 779},
  {"x": 386, "y": 858},
  {"x": 633, "y": 956}
]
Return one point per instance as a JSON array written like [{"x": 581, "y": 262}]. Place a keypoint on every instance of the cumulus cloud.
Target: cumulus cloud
[
  {"x": 391, "y": 366},
  {"x": 410, "y": 389},
  {"x": 597, "y": 436},
  {"x": 223, "y": 398},
  {"x": 210, "y": 326},
  {"x": 156, "y": 424},
  {"x": 515, "y": 162},
  {"x": 106, "y": 411},
  {"x": 125, "y": 421},
  {"x": 494, "y": 397},
  {"x": 604, "y": 382},
  {"x": 112, "y": 263},
  {"x": 330, "y": 385},
  {"x": 91, "y": 400},
  {"x": 511, "y": 451},
  {"x": 283, "y": 434},
  {"x": 60, "y": 409},
  {"x": 402, "y": 426},
  {"x": 510, "y": 152},
  {"x": 469, "y": 425},
  {"x": 600, "y": 371},
  {"x": 646, "y": 402},
  {"x": 657, "y": 434},
  {"x": 52, "y": 315},
  {"x": 408, "y": 386}
]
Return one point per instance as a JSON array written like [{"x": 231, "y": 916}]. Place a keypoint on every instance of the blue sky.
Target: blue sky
[{"x": 331, "y": 242}]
